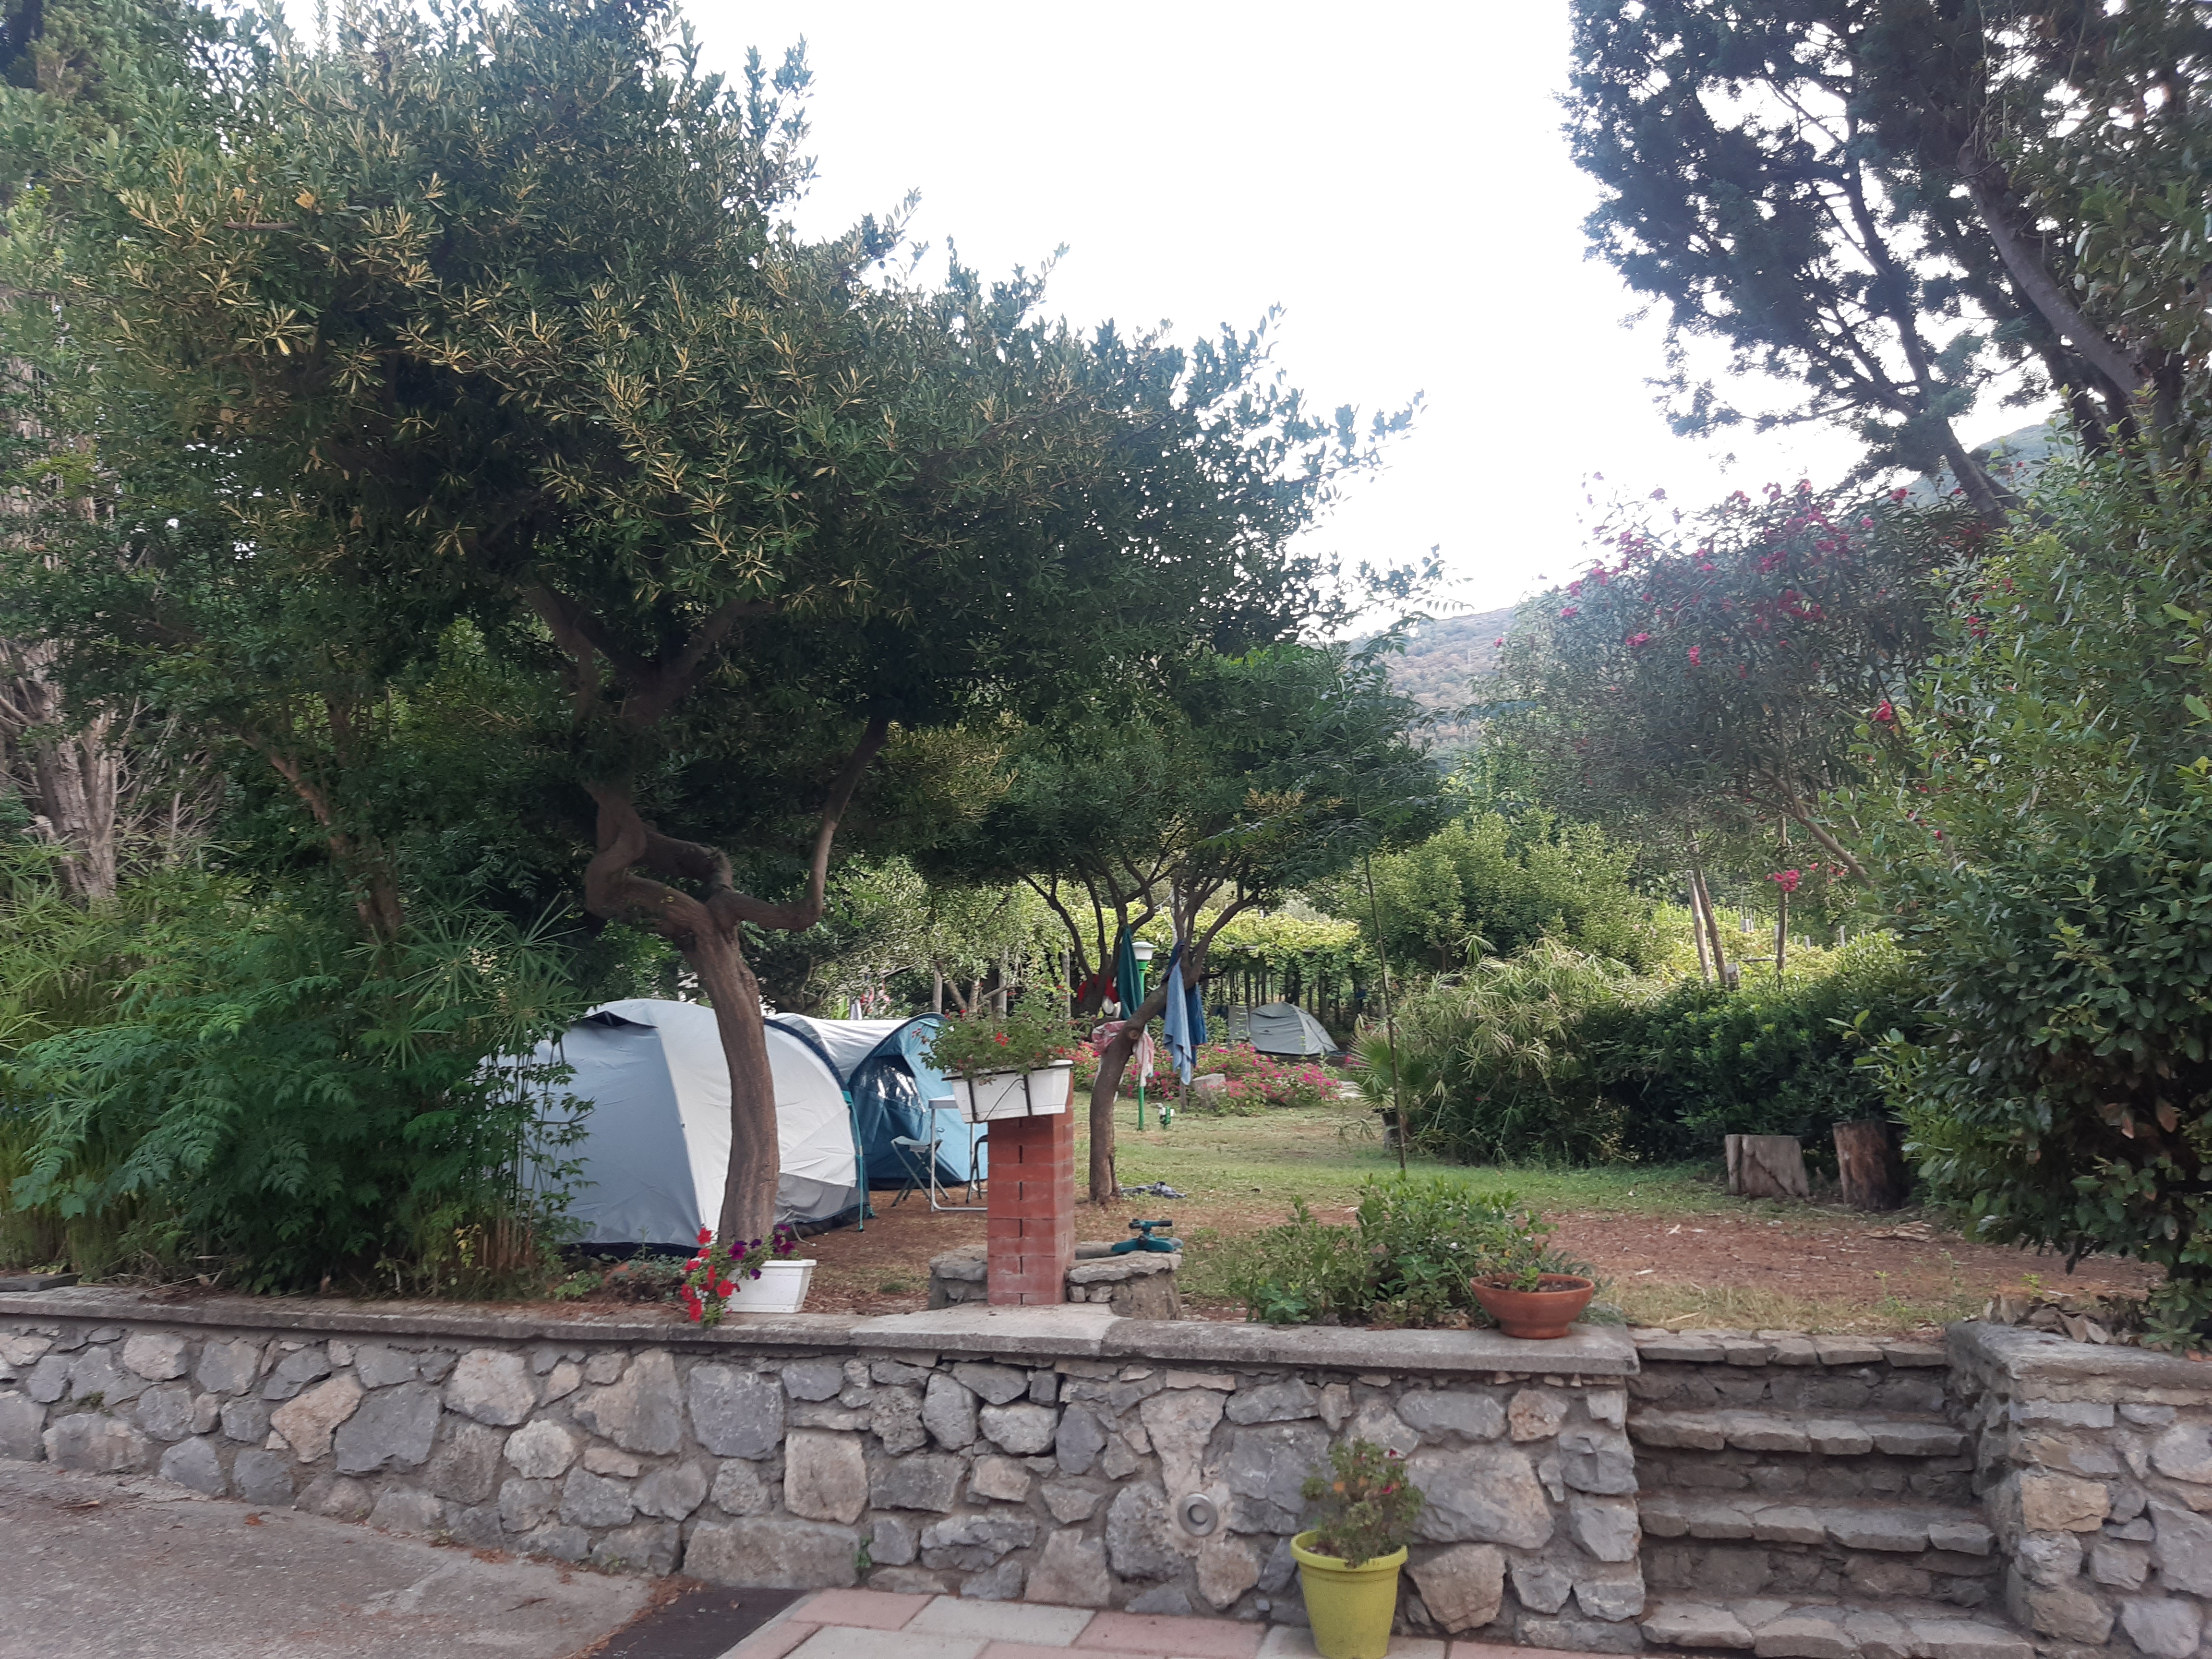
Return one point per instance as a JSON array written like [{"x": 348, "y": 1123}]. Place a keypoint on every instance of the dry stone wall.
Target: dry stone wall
[
  {"x": 1002, "y": 1454},
  {"x": 2012, "y": 1496},
  {"x": 2095, "y": 1466}
]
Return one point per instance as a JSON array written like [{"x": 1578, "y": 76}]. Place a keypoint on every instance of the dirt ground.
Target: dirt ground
[{"x": 1735, "y": 1263}]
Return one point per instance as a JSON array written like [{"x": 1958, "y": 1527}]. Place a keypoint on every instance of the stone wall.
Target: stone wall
[
  {"x": 996, "y": 1452},
  {"x": 1795, "y": 1497},
  {"x": 2095, "y": 1466}
]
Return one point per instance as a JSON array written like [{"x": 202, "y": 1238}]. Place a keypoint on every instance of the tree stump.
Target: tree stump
[
  {"x": 1869, "y": 1166},
  {"x": 1766, "y": 1166}
]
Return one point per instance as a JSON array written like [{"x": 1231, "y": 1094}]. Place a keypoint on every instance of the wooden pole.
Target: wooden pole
[
  {"x": 1389, "y": 1020},
  {"x": 1712, "y": 922},
  {"x": 1782, "y": 908},
  {"x": 1697, "y": 931}
]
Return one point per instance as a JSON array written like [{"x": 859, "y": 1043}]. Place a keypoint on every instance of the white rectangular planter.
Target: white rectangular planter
[
  {"x": 994, "y": 1095},
  {"x": 781, "y": 1288}
]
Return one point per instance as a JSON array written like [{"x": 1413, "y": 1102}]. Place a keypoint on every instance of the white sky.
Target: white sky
[{"x": 1392, "y": 175}]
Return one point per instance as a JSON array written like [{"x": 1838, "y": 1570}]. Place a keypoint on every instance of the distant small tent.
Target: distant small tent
[
  {"x": 1281, "y": 1030},
  {"x": 881, "y": 1065},
  {"x": 656, "y": 1146}
]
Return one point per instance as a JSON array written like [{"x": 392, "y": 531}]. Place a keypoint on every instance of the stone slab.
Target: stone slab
[
  {"x": 28, "y": 1282},
  {"x": 154, "y": 1569},
  {"x": 2043, "y": 1361},
  {"x": 400, "y": 1320},
  {"x": 1587, "y": 1350},
  {"x": 1064, "y": 1330},
  {"x": 1068, "y": 1330}
]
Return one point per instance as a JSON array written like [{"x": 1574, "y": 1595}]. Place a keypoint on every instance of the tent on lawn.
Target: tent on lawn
[
  {"x": 891, "y": 1085},
  {"x": 656, "y": 1142},
  {"x": 1281, "y": 1030}
]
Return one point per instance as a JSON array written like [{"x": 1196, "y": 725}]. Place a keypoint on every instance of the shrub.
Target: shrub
[
  {"x": 272, "y": 1096},
  {"x": 1696, "y": 1062},
  {"x": 1495, "y": 1067},
  {"x": 1365, "y": 1506},
  {"x": 1254, "y": 1082},
  {"x": 2051, "y": 846},
  {"x": 1408, "y": 1258},
  {"x": 1554, "y": 1056}
]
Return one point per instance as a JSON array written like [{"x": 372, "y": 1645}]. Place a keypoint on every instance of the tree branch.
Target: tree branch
[
  {"x": 736, "y": 907},
  {"x": 613, "y": 889},
  {"x": 1986, "y": 185}
]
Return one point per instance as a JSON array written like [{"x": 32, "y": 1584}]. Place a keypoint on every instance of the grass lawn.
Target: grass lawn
[{"x": 1673, "y": 1247}]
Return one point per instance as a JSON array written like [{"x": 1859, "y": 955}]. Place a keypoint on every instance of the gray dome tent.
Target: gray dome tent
[
  {"x": 1280, "y": 1030},
  {"x": 656, "y": 1143}
]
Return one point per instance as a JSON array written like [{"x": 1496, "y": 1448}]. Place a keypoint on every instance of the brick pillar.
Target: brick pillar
[{"x": 1032, "y": 1211}]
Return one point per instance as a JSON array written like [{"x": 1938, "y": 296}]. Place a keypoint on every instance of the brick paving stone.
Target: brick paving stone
[
  {"x": 1002, "y": 1621},
  {"x": 860, "y": 1609},
  {"x": 1034, "y": 1651},
  {"x": 843, "y": 1642},
  {"x": 774, "y": 1640},
  {"x": 1292, "y": 1642},
  {"x": 1162, "y": 1633}
]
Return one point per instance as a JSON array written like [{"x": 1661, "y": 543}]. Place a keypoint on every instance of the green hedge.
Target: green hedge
[
  {"x": 1557, "y": 1057},
  {"x": 1697, "y": 1063}
]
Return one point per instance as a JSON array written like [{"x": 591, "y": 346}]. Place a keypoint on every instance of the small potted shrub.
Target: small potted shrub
[
  {"x": 1349, "y": 1559},
  {"x": 1018, "y": 1065},
  {"x": 1525, "y": 1287},
  {"x": 759, "y": 1277}
]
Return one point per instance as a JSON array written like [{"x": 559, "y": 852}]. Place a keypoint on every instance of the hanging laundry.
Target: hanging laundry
[
  {"x": 1128, "y": 976},
  {"x": 1182, "y": 1049}
]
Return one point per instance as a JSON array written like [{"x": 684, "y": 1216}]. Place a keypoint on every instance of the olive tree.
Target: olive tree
[
  {"x": 494, "y": 311},
  {"x": 1251, "y": 777}
]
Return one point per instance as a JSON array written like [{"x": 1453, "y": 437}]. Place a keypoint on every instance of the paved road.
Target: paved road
[{"x": 108, "y": 1567}]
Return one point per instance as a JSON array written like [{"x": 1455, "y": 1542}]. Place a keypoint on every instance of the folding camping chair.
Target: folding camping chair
[
  {"x": 917, "y": 1159},
  {"x": 941, "y": 1110}
]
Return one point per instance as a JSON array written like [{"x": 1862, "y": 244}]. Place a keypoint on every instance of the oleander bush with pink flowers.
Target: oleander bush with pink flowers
[{"x": 1254, "y": 1082}]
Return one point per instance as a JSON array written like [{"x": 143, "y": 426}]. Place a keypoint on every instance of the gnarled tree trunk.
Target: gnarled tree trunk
[
  {"x": 1114, "y": 1058},
  {"x": 703, "y": 919}
]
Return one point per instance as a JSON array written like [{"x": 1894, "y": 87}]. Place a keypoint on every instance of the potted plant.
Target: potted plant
[
  {"x": 1529, "y": 1289},
  {"x": 760, "y": 1276},
  {"x": 1348, "y": 1560},
  {"x": 1020, "y": 1064}
]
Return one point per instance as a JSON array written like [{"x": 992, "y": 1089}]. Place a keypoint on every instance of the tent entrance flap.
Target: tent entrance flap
[{"x": 883, "y": 1066}]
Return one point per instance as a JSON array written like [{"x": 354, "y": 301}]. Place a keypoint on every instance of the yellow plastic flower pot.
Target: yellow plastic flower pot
[{"x": 1351, "y": 1608}]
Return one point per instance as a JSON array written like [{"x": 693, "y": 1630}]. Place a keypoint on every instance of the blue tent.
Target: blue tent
[{"x": 892, "y": 1086}]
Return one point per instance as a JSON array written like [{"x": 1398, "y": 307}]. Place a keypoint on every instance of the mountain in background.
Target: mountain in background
[
  {"x": 1440, "y": 657},
  {"x": 2014, "y": 460},
  {"x": 1443, "y": 655}
]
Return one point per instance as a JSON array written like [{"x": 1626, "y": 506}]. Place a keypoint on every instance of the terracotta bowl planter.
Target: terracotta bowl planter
[{"x": 1539, "y": 1315}]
